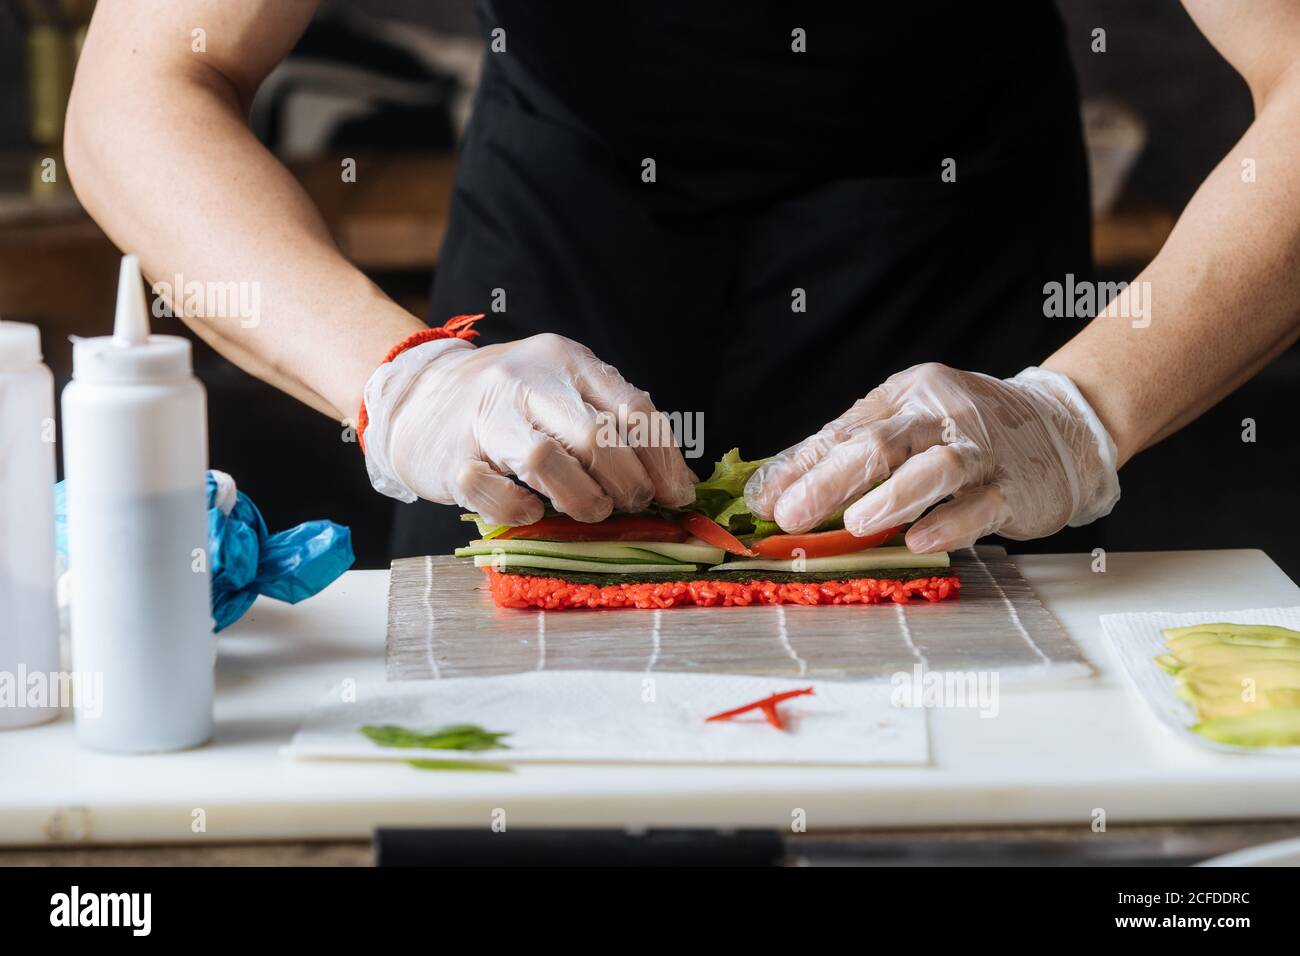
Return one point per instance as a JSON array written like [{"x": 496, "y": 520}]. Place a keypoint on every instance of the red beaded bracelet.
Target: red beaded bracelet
[{"x": 457, "y": 327}]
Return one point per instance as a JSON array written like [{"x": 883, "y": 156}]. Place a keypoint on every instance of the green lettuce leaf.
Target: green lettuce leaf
[
  {"x": 740, "y": 521},
  {"x": 729, "y": 476},
  {"x": 736, "y": 517},
  {"x": 721, "y": 489},
  {"x": 722, "y": 493}
]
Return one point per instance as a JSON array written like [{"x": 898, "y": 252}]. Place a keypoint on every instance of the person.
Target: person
[{"x": 761, "y": 217}]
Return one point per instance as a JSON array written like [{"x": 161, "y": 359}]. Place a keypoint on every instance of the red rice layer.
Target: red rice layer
[{"x": 556, "y": 594}]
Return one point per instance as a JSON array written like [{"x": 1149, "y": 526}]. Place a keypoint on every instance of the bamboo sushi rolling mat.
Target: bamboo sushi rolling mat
[{"x": 442, "y": 623}]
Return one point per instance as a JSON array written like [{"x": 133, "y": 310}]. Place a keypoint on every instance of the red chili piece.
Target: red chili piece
[{"x": 767, "y": 705}]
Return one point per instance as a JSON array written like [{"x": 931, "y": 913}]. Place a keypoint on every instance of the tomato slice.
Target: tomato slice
[
  {"x": 710, "y": 532},
  {"x": 615, "y": 528},
  {"x": 820, "y": 544}
]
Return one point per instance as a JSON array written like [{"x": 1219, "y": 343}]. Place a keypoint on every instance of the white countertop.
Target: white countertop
[{"x": 1053, "y": 754}]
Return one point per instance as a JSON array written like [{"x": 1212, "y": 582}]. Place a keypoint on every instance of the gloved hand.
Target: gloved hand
[
  {"x": 448, "y": 422},
  {"x": 1022, "y": 457}
]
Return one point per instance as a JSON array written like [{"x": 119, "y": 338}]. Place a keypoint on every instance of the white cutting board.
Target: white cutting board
[{"x": 1054, "y": 754}]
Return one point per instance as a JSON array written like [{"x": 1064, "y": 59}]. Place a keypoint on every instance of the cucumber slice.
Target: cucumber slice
[
  {"x": 549, "y": 563},
  {"x": 874, "y": 559},
  {"x": 607, "y": 551},
  {"x": 695, "y": 574},
  {"x": 693, "y": 552}
]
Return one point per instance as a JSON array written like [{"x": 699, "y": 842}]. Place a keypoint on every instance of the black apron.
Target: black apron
[{"x": 777, "y": 175}]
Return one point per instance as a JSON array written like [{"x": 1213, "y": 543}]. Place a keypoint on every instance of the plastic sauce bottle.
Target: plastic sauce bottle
[
  {"x": 29, "y": 623},
  {"x": 135, "y": 458}
]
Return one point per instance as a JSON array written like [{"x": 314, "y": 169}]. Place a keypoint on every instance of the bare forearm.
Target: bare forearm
[
  {"x": 1224, "y": 293},
  {"x": 172, "y": 172}
]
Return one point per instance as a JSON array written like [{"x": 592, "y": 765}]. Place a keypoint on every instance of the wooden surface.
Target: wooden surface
[
  {"x": 394, "y": 216},
  {"x": 59, "y": 270},
  {"x": 1166, "y": 843},
  {"x": 1128, "y": 238},
  {"x": 351, "y": 853}
]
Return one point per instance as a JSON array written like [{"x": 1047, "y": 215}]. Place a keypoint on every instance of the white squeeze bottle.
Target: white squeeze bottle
[
  {"x": 29, "y": 622},
  {"x": 135, "y": 458}
]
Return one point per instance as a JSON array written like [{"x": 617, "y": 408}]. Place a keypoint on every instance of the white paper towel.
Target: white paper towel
[
  {"x": 617, "y": 717},
  {"x": 1138, "y": 640}
]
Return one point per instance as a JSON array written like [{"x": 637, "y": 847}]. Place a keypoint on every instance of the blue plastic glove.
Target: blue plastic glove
[{"x": 246, "y": 560}]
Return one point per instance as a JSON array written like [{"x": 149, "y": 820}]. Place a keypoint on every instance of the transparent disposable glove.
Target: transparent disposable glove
[
  {"x": 449, "y": 422},
  {"x": 1022, "y": 457}
]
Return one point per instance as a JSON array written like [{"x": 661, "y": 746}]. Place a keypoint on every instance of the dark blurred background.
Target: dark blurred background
[{"x": 390, "y": 81}]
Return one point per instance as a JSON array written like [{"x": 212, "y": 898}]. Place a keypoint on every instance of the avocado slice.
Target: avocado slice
[
  {"x": 1201, "y": 640},
  {"x": 1266, "y": 674},
  {"x": 1196, "y": 640},
  {"x": 1222, "y": 653},
  {"x": 1211, "y": 665},
  {"x": 1263, "y": 634},
  {"x": 1169, "y": 663},
  {"x": 1211, "y": 708},
  {"x": 1271, "y": 727}
]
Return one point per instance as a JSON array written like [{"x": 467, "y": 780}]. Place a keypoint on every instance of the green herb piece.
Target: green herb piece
[
  {"x": 476, "y": 765},
  {"x": 452, "y": 737}
]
